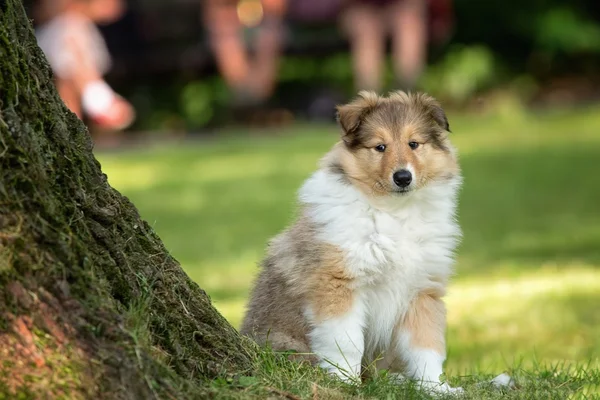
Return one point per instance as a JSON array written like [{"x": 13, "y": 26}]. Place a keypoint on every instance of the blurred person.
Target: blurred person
[
  {"x": 251, "y": 77},
  {"x": 369, "y": 22},
  {"x": 79, "y": 58}
]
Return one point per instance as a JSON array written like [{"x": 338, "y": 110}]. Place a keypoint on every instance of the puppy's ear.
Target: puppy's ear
[
  {"x": 439, "y": 116},
  {"x": 351, "y": 115},
  {"x": 435, "y": 111}
]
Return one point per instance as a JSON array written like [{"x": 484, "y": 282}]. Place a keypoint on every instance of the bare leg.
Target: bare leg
[
  {"x": 266, "y": 64},
  {"x": 366, "y": 32},
  {"x": 409, "y": 26},
  {"x": 226, "y": 42},
  {"x": 70, "y": 95}
]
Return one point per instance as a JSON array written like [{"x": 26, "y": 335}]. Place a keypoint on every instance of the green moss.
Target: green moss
[{"x": 83, "y": 256}]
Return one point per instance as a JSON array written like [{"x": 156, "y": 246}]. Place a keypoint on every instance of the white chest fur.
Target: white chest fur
[{"x": 394, "y": 248}]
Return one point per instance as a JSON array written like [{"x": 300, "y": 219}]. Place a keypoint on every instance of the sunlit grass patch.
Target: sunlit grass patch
[{"x": 548, "y": 316}]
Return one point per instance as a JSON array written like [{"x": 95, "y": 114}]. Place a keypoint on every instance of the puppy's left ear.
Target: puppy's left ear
[{"x": 436, "y": 111}]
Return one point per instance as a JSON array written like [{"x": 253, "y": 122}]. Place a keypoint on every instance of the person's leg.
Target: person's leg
[
  {"x": 70, "y": 95},
  {"x": 226, "y": 42},
  {"x": 263, "y": 74},
  {"x": 104, "y": 11},
  {"x": 409, "y": 27},
  {"x": 367, "y": 43}
]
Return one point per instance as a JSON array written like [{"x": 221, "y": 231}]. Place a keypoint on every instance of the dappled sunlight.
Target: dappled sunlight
[
  {"x": 138, "y": 176},
  {"x": 240, "y": 167},
  {"x": 232, "y": 310},
  {"x": 555, "y": 245},
  {"x": 256, "y": 165},
  {"x": 504, "y": 295},
  {"x": 227, "y": 281},
  {"x": 546, "y": 316},
  {"x": 231, "y": 169},
  {"x": 231, "y": 275},
  {"x": 187, "y": 200}
]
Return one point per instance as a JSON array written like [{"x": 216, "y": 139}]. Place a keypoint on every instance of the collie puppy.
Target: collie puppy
[{"x": 358, "y": 279}]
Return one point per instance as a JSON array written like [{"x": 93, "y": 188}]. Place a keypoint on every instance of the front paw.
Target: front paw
[
  {"x": 345, "y": 375},
  {"x": 503, "y": 380},
  {"x": 342, "y": 374},
  {"x": 439, "y": 388}
]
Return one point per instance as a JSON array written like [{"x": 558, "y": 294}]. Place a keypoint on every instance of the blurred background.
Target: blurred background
[{"x": 209, "y": 115}]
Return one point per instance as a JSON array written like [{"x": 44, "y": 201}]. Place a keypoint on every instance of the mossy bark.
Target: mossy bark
[{"x": 91, "y": 303}]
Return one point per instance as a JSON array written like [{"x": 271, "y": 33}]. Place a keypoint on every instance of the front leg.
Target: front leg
[
  {"x": 336, "y": 315},
  {"x": 338, "y": 341},
  {"x": 420, "y": 342}
]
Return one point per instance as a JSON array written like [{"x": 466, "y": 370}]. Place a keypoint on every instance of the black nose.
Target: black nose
[{"x": 402, "y": 178}]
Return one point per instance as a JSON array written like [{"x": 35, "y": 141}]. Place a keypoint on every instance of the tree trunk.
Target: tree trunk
[{"x": 91, "y": 303}]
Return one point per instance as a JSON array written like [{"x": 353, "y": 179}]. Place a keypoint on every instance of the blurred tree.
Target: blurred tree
[{"x": 91, "y": 303}]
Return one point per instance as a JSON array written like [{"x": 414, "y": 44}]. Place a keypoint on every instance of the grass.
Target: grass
[{"x": 526, "y": 297}]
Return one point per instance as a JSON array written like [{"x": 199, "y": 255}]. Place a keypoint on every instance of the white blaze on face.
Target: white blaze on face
[{"x": 412, "y": 171}]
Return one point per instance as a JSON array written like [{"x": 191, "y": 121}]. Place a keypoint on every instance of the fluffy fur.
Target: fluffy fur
[{"x": 358, "y": 279}]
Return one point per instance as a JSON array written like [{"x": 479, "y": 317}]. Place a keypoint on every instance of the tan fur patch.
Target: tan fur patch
[
  {"x": 298, "y": 271},
  {"x": 426, "y": 322},
  {"x": 330, "y": 292}
]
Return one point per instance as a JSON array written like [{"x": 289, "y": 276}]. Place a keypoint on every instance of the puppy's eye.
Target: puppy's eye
[
  {"x": 380, "y": 148},
  {"x": 413, "y": 145}
]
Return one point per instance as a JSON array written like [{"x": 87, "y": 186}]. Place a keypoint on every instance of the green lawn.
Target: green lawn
[{"x": 526, "y": 297}]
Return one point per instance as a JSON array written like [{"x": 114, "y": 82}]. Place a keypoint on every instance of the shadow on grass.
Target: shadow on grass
[{"x": 530, "y": 207}]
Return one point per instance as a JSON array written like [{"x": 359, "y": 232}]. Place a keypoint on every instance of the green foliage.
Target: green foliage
[
  {"x": 201, "y": 100},
  {"x": 297, "y": 69},
  {"x": 334, "y": 69},
  {"x": 196, "y": 103},
  {"x": 461, "y": 73},
  {"x": 563, "y": 30}
]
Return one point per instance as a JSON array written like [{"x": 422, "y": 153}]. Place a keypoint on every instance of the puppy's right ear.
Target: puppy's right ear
[{"x": 351, "y": 115}]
